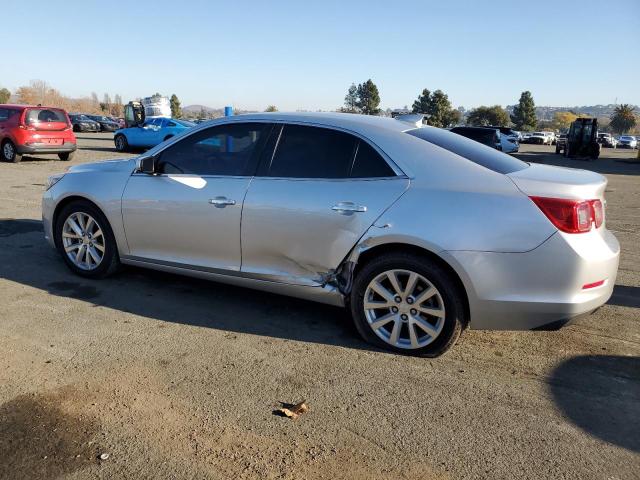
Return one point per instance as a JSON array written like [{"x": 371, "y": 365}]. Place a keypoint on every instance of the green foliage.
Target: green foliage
[
  {"x": 4, "y": 95},
  {"x": 483, "y": 116},
  {"x": 271, "y": 108},
  {"x": 363, "y": 98},
  {"x": 176, "y": 109},
  {"x": 623, "y": 119},
  {"x": 437, "y": 107},
  {"x": 368, "y": 98},
  {"x": 524, "y": 114}
]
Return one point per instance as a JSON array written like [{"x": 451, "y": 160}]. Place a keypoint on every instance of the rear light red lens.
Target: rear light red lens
[{"x": 571, "y": 216}]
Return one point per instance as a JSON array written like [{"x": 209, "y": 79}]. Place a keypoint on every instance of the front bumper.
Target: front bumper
[
  {"x": 542, "y": 287},
  {"x": 43, "y": 148}
]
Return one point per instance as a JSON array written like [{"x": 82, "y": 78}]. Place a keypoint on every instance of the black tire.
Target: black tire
[
  {"x": 121, "y": 143},
  {"x": 455, "y": 316},
  {"x": 8, "y": 152},
  {"x": 76, "y": 128},
  {"x": 110, "y": 262},
  {"x": 65, "y": 157},
  {"x": 557, "y": 149}
]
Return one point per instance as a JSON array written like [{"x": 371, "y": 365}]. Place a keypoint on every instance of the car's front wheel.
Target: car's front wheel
[
  {"x": 85, "y": 240},
  {"x": 408, "y": 304}
]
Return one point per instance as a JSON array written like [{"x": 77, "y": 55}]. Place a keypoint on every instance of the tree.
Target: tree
[
  {"x": 562, "y": 120},
  {"x": 437, "y": 107},
  {"x": 524, "y": 114},
  {"x": 117, "y": 109},
  {"x": 422, "y": 103},
  {"x": 4, "y": 95},
  {"x": 483, "y": 116},
  {"x": 351, "y": 100},
  {"x": 623, "y": 119},
  {"x": 271, "y": 108},
  {"x": 176, "y": 110},
  {"x": 368, "y": 98}
]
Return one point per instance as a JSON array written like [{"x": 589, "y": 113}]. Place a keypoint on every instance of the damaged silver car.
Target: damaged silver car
[{"x": 418, "y": 231}]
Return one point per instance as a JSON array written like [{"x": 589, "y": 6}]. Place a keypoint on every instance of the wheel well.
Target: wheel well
[
  {"x": 63, "y": 203},
  {"x": 376, "y": 251}
]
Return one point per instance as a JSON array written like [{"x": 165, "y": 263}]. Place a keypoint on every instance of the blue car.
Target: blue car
[{"x": 149, "y": 133}]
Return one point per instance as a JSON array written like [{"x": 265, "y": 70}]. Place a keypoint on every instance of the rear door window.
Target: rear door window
[
  {"x": 471, "y": 150},
  {"x": 369, "y": 163},
  {"x": 313, "y": 152},
  {"x": 4, "y": 114}
]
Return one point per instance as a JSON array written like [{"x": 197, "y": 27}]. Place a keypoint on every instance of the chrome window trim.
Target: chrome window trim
[{"x": 397, "y": 170}]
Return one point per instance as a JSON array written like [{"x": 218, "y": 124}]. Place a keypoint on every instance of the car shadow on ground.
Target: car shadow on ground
[
  {"x": 601, "y": 395},
  {"x": 26, "y": 258},
  {"x": 625, "y": 296},
  {"x": 95, "y": 137},
  {"x": 612, "y": 166},
  {"x": 99, "y": 149}
]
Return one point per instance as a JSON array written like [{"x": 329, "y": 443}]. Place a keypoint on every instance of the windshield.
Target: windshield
[
  {"x": 184, "y": 123},
  {"x": 471, "y": 150}
]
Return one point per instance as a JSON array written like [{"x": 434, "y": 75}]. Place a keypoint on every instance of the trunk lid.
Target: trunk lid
[{"x": 559, "y": 182}]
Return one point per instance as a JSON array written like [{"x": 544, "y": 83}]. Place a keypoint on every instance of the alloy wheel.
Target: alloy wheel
[
  {"x": 8, "y": 150},
  {"x": 83, "y": 241},
  {"x": 404, "y": 309}
]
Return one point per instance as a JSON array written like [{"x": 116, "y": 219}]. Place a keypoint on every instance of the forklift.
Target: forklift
[
  {"x": 581, "y": 140},
  {"x": 134, "y": 114}
]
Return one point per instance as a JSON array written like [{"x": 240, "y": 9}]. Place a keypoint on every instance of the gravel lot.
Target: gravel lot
[{"x": 178, "y": 378}]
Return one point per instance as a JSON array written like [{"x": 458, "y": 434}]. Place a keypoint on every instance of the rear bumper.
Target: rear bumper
[
  {"x": 42, "y": 148},
  {"x": 542, "y": 287}
]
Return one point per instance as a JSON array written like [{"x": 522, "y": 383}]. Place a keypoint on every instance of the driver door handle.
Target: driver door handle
[
  {"x": 348, "y": 207},
  {"x": 221, "y": 202}
]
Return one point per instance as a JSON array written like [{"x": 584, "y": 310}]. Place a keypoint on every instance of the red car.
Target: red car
[{"x": 25, "y": 129}]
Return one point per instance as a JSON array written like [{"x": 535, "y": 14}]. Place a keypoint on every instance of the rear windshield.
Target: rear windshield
[
  {"x": 487, "y": 137},
  {"x": 471, "y": 150},
  {"x": 35, "y": 115}
]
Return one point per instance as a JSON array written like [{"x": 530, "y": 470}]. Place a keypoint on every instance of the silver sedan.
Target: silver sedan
[{"x": 418, "y": 231}]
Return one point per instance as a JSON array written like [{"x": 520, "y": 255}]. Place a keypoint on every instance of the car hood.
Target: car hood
[{"x": 105, "y": 166}]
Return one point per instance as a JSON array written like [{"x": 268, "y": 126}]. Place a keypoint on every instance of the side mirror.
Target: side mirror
[{"x": 147, "y": 165}]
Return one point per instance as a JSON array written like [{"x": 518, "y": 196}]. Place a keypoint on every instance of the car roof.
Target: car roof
[
  {"x": 22, "y": 107},
  {"x": 349, "y": 121}
]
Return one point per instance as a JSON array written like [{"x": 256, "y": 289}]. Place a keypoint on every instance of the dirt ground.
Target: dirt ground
[{"x": 178, "y": 378}]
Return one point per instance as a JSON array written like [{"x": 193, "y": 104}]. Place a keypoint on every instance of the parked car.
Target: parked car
[
  {"x": 26, "y": 129},
  {"x": 561, "y": 143},
  {"x": 82, "y": 123},
  {"x": 107, "y": 124},
  {"x": 509, "y": 139},
  {"x": 607, "y": 140},
  {"x": 487, "y": 136},
  {"x": 541, "y": 138},
  {"x": 627, "y": 141},
  {"x": 120, "y": 121},
  {"x": 419, "y": 231},
  {"x": 150, "y": 133},
  {"x": 525, "y": 137}
]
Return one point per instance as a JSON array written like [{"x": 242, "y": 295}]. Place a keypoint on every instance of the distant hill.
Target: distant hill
[
  {"x": 197, "y": 111},
  {"x": 546, "y": 113}
]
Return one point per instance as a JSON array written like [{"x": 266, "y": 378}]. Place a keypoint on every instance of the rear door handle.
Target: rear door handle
[
  {"x": 221, "y": 202},
  {"x": 348, "y": 207}
]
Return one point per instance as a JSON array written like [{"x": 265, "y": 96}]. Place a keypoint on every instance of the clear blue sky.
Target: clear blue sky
[{"x": 304, "y": 54}]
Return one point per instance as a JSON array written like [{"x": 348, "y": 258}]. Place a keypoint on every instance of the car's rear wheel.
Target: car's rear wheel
[
  {"x": 85, "y": 240},
  {"x": 65, "y": 157},
  {"x": 408, "y": 304},
  {"x": 10, "y": 153},
  {"x": 121, "y": 143}
]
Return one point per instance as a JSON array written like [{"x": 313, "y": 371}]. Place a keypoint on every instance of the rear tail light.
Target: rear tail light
[
  {"x": 571, "y": 216},
  {"x": 587, "y": 286}
]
